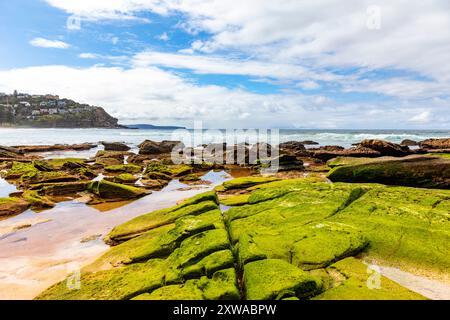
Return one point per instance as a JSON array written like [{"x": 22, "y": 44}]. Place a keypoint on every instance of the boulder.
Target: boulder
[
  {"x": 61, "y": 188},
  {"x": 115, "y": 146},
  {"x": 285, "y": 163},
  {"x": 115, "y": 191},
  {"x": 333, "y": 152},
  {"x": 414, "y": 171},
  {"x": 386, "y": 148},
  {"x": 309, "y": 142},
  {"x": 153, "y": 147},
  {"x": 435, "y": 144},
  {"x": 409, "y": 143},
  {"x": 292, "y": 147}
]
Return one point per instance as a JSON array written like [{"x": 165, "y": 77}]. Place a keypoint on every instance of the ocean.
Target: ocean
[{"x": 345, "y": 138}]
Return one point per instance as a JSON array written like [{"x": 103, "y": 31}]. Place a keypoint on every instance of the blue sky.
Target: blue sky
[{"x": 308, "y": 65}]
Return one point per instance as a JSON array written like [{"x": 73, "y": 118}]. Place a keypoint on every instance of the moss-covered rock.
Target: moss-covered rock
[
  {"x": 124, "y": 168},
  {"x": 277, "y": 279},
  {"x": 354, "y": 284},
  {"x": 47, "y": 177},
  {"x": 174, "y": 170},
  {"x": 19, "y": 169},
  {"x": 11, "y": 206},
  {"x": 234, "y": 200},
  {"x": 37, "y": 201},
  {"x": 115, "y": 191},
  {"x": 61, "y": 188},
  {"x": 125, "y": 178},
  {"x": 245, "y": 182},
  {"x": 193, "y": 206},
  {"x": 414, "y": 171}
]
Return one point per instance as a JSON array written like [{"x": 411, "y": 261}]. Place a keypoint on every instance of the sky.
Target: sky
[{"x": 323, "y": 64}]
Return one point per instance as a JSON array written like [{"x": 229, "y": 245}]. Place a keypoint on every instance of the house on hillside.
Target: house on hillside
[
  {"x": 52, "y": 111},
  {"x": 25, "y": 103}
]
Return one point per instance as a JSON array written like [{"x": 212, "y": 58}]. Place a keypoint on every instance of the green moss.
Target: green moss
[
  {"x": 245, "y": 182},
  {"x": 308, "y": 247},
  {"x": 37, "y": 201},
  {"x": 355, "y": 286},
  {"x": 159, "y": 242},
  {"x": 115, "y": 284},
  {"x": 126, "y": 178},
  {"x": 404, "y": 225},
  {"x": 47, "y": 177},
  {"x": 185, "y": 291},
  {"x": 158, "y": 218},
  {"x": 442, "y": 155},
  {"x": 221, "y": 286},
  {"x": 235, "y": 200},
  {"x": 415, "y": 171},
  {"x": 170, "y": 170},
  {"x": 110, "y": 190},
  {"x": 19, "y": 169},
  {"x": 277, "y": 279},
  {"x": 208, "y": 265},
  {"x": 128, "y": 168},
  {"x": 193, "y": 177},
  {"x": 59, "y": 163}
]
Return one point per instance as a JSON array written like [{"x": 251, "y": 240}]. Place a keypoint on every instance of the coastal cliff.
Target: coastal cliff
[{"x": 49, "y": 111}]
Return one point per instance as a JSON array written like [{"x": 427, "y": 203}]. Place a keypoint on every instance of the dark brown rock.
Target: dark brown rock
[
  {"x": 386, "y": 148},
  {"x": 325, "y": 155},
  {"x": 412, "y": 171},
  {"x": 115, "y": 146},
  {"x": 56, "y": 147},
  {"x": 409, "y": 143},
  {"x": 153, "y": 147},
  {"x": 435, "y": 144}
]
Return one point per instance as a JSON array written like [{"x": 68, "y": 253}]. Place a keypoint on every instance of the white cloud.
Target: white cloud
[
  {"x": 163, "y": 37},
  {"x": 88, "y": 55},
  {"x": 211, "y": 64},
  {"x": 46, "y": 43},
  {"x": 151, "y": 94},
  {"x": 422, "y": 117}
]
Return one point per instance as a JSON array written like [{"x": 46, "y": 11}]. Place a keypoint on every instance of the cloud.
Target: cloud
[
  {"x": 88, "y": 55},
  {"x": 163, "y": 37},
  {"x": 141, "y": 94},
  {"x": 422, "y": 117},
  {"x": 211, "y": 64},
  {"x": 46, "y": 43}
]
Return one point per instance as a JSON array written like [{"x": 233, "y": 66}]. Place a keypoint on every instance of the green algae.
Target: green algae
[
  {"x": 356, "y": 285},
  {"x": 110, "y": 190},
  {"x": 221, "y": 286},
  {"x": 126, "y": 178},
  {"x": 37, "y": 201},
  {"x": 58, "y": 163},
  {"x": 234, "y": 200},
  {"x": 160, "y": 242},
  {"x": 245, "y": 182},
  {"x": 126, "y": 168},
  {"x": 176, "y": 170},
  {"x": 277, "y": 279},
  {"x": 139, "y": 225},
  {"x": 18, "y": 169}
]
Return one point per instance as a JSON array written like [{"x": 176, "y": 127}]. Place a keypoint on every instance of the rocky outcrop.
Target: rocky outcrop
[
  {"x": 292, "y": 147},
  {"x": 409, "y": 143},
  {"x": 110, "y": 191},
  {"x": 414, "y": 171},
  {"x": 56, "y": 147},
  {"x": 294, "y": 239},
  {"x": 115, "y": 146},
  {"x": 435, "y": 144},
  {"x": 386, "y": 148},
  {"x": 156, "y": 148},
  {"x": 326, "y": 154},
  {"x": 12, "y": 206}
]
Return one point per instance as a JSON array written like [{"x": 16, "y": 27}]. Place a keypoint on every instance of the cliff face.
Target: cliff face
[{"x": 51, "y": 112}]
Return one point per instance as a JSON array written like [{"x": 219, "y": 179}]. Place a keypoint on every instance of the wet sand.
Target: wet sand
[
  {"x": 41, "y": 254},
  {"x": 432, "y": 289}
]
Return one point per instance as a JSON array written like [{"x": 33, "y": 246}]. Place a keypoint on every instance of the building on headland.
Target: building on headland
[{"x": 25, "y": 103}]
